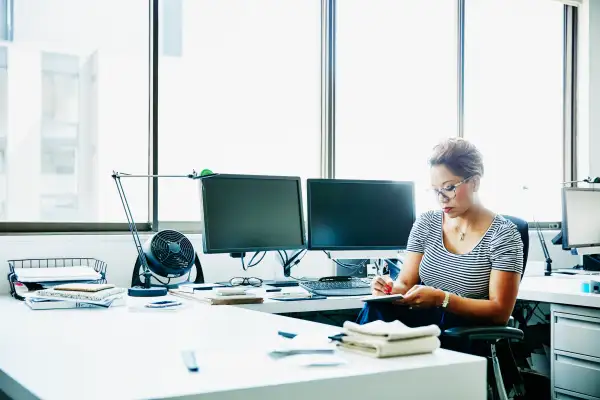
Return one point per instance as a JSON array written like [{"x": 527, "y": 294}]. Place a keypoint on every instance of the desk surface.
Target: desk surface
[
  {"x": 119, "y": 353},
  {"x": 558, "y": 289}
]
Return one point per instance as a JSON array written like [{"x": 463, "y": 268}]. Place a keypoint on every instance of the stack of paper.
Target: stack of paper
[
  {"x": 77, "y": 296},
  {"x": 307, "y": 351},
  {"x": 302, "y": 344},
  {"x": 58, "y": 274},
  {"x": 389, "y": 339}
]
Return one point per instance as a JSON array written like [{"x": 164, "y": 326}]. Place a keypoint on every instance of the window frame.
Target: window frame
[{"x": 328, "y": 101}]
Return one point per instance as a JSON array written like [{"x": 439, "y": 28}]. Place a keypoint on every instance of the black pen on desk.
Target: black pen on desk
[
  {"x": 189, "y": 359},
  {"x": 286, "y": 334}
]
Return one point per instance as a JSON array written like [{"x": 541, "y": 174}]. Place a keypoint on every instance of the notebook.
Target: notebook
[
  {"x": 215, "y": 299},
  {"x": 93, "y": 296}
]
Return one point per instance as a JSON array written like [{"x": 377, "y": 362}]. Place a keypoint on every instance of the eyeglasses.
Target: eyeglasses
[
  {"x": 241, "y": 281},
  {"x": 449, "y": 192}
]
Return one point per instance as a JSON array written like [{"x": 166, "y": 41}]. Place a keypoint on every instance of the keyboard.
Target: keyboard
[{"x": 338, "y": 286}]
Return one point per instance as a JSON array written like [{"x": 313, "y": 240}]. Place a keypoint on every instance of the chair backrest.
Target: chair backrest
[{"x": 523, "y": 229}]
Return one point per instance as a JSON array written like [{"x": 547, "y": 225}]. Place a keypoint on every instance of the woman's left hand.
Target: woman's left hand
[{"x": 423, "y": 297}]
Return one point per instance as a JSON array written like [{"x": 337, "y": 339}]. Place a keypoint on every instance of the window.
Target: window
[
  {"x": 396, "y": 94},
  {"x": 171, "y": 27},
  {"x": 244, "y": 97},
  {"x": 58, "y": 158},
  {"x": 514, "y": 102},
  {"x": 61, "y": 207},
  {"x": 77, "y": 97},
  {"x": 2, "y": 160},
  {"x": 3, "y": 92}
]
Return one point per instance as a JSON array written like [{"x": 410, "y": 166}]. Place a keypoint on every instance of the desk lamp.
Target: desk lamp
[{"x": 147, "y": 290}]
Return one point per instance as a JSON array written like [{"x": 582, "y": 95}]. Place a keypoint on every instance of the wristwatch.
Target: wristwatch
[{"x": 446, "y": 299}]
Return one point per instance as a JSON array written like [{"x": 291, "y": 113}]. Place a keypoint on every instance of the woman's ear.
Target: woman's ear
[{"x": 476, "y": 182}]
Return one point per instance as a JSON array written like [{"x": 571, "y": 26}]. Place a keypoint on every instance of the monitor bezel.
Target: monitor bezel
[
  {"x": 564, "y": 225},
  {"x": 312, "y": 246},
  {"x": 206, "y": 244}
]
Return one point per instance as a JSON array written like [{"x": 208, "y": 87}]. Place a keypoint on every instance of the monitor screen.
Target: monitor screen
[
  {"x": 252, "y": 213},
  {"x": 581, "y": 217},
  {"x": 359, "y": 215}
]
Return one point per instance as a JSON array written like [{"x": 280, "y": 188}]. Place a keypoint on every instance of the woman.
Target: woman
[{"x": 464, "y": 262}]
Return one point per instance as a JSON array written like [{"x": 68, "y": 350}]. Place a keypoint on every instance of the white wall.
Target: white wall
[{"x": 119, "y": 252}]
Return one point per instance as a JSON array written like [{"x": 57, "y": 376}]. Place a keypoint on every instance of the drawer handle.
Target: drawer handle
[
  {"x": 580, "y": 323},
  {"x": 578, "y": 362}
]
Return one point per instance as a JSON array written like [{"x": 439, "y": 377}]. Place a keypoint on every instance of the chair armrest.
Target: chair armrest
[{"x": 485, "y": 333}]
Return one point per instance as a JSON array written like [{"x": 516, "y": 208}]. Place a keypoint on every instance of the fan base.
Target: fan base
[{"x": 147, "y": 292}]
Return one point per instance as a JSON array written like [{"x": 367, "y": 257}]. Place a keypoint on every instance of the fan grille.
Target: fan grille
[{"x": 172, "y": 249}]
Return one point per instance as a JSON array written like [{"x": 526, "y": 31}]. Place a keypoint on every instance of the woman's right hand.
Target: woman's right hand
[{"x": 382, "y": 285}]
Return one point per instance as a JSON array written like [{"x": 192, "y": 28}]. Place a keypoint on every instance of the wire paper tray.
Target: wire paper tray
[{"x": 98, "y": 266}]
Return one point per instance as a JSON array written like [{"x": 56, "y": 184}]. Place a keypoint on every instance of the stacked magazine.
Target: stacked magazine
[{"x": 77, "y": 295}]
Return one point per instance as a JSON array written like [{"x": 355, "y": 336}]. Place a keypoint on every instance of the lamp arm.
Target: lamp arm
[{"x": 133, "y": 230}]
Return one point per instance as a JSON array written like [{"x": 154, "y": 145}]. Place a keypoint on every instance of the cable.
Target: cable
[
  {"x": 522, "y": 381},
  {"x": 351, "y": 267},
  {"x": 357, "y": 266},
  {"x": 292, "y": 261},
  {"x": 156, "y": 278},
  {"x": 250, "y": 265},
  {"x": 281, "y": 257},
  {"x": 530, "y": 313},
  {"x": 243, "y": 265},
  {"x": 252, "y": 259}
]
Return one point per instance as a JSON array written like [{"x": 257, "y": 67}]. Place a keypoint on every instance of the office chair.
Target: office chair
[{"x": 490, "y": 335}]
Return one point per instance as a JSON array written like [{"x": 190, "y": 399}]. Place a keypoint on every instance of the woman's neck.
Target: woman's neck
[{"x": 471, "y": 217}]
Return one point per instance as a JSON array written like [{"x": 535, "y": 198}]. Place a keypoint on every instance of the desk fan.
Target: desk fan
[{"x": 169, "y": 254}]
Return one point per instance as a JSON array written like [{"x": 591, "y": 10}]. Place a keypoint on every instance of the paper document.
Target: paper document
[{"x": 56, "y": 274}]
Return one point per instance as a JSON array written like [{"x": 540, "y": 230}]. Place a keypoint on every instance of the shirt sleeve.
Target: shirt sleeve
[
  {"x": 506, "y": 249},
  {"x": 418, "y": 234}
]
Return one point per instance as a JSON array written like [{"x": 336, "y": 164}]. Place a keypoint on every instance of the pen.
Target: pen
[
  {"x": 189, "y": 359},
  {"x": 337, "y": 338},
  {"x": 286, "y": 334}
]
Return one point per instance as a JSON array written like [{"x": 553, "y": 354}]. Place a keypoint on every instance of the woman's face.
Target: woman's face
[{"x": 457, "y": 201}]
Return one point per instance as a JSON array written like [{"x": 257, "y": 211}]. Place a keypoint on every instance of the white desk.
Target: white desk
[
  {"x": 554, "y": 290},
  {"x": 558, "y": 290},
  {"x": 121, "y": 354}
]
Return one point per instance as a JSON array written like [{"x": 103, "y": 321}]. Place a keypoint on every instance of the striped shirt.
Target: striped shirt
[{"x": 467, "y": 275}]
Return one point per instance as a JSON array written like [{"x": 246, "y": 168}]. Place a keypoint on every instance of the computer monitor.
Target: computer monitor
[
  {"x": 580, "y": 217},
  {"x": 251, "y": 213},
  {"x": 359, "y": 214}
]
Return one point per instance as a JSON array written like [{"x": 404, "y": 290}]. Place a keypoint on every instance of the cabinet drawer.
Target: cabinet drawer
[
  {"x": 577, "y": 334},
  {"x": 577, "y": 374},
  {"x": 560, "y": 394}
]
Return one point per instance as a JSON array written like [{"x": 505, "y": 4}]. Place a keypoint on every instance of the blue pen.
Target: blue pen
[{"x": 286, "y": 334}]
